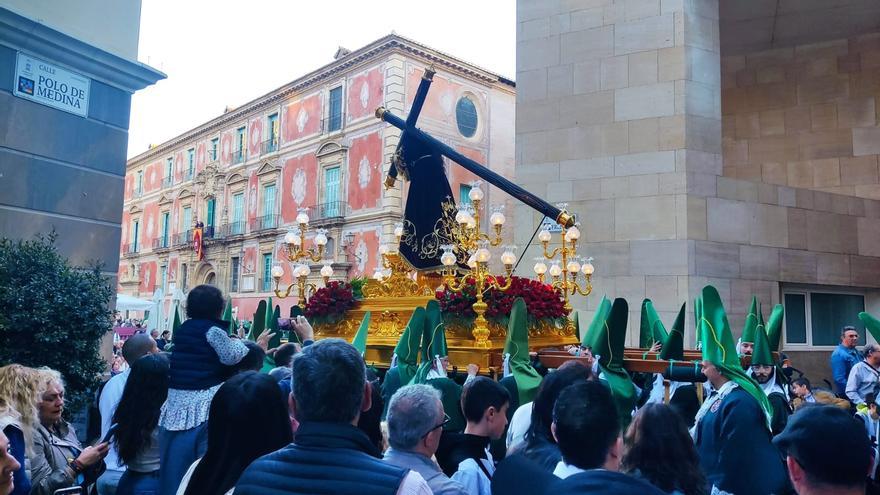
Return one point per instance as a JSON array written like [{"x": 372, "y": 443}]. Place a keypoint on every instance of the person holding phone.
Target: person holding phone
[{"x": 60, "y": 460}]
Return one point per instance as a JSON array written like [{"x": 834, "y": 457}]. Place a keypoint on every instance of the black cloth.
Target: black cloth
[
  {"x": 543, "y": 453},
  {"x": 161, "y": 343},
  {"x": 685, "y": 402},
  {"x": 517, "y": 475},
  {"x": 456, "y": 447},
  {"x": 325, "y": 458},
  {"x": 781, "y": 412},
  {"x": 194, "y": 364},
  {"x": 735, "y": 449}
]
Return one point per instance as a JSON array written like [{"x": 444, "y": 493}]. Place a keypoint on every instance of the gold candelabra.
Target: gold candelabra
[
  {"x": 565, "y": 275},
  {"x": 295, "y": 241}
]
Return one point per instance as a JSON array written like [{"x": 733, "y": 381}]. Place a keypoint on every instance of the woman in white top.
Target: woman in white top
[{"x": 248, "y": 419}]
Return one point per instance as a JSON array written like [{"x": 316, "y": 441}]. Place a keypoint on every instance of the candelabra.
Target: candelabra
[
  {"x": 565, "y": 274},
  {"x": 301, "y": 273},
  {"x": 392, "y": 278},
  {"x": 295, "y": 241}
]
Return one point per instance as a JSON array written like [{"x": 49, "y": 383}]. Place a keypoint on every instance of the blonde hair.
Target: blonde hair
[{"x": 21, "y": 389}]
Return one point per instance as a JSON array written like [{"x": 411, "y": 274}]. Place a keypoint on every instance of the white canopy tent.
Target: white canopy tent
[{"x": 130, "y": 303}]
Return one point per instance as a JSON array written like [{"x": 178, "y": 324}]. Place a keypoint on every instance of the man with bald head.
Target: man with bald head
[{"x": 136, "y": 347}]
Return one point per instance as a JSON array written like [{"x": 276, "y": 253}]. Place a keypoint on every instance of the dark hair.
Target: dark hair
[
  {"x": 480, "y": 394},
  {"x": 328, "y": 382},
  {"x": 370, "y": 421},
  {"x": 657, "y": 444},
  {"x": 204, "y": 302},
  {"x": 586, "y": 424},
  {"x": 870, "y": 398},
  {"x": 551, "y": 387},
  {"x": 847, "y": 328},
  {"x": 166, "y": 332},
  {"x": 253, "y": 360},
  {"x": 138, "y": 411},
  {"x": 802, "y": 382},
  {"x": 136, "y": 347},
  {"x": 248, "y": 419},
  {"x": 284, "y": 354}
]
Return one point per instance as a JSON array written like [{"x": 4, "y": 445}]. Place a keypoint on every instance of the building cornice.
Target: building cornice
[
  {"x": 29, "y": 36},
  {"x": 391, "y": 43}
]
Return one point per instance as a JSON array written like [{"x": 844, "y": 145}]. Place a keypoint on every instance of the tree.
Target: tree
[{"x": 53, "y": 314}]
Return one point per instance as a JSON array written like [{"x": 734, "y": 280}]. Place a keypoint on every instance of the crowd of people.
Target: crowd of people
[{"x": 211, "y": 418}]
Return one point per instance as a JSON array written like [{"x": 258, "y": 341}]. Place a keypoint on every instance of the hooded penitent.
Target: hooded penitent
[
  {"x": 607, "y": 336},
  {"x": 406, "y": 353},
  {"x": 720, "y": 350},
  {"x": 871, "y": 324},
  {"x": 649, "y": 330},
  {"x": 774, "y": 327},
  {"x": 433, "y": 345},
  {"x": 516, "y": 353},
  {"x": 751, "y": 323},
  {"x": 359, "y": 341},
  {"x": 673, "y": 346}
]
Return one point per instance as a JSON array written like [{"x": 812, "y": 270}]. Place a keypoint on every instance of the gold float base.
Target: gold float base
[{"x": 389, "y": 316}]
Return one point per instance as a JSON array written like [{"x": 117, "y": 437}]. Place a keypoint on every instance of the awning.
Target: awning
[{"x": 129, "y": 303}]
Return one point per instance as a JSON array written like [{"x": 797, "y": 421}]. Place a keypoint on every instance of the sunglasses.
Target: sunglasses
[{"x": 446, "y": 420}]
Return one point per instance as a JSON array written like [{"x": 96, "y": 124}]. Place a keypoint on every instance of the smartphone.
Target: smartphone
[
  {"x": 74, "y": 490},
  {"x": 110, "y": 433}
]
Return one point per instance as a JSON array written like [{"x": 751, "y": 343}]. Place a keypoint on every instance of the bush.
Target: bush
[{"x": 53, "y": 314}]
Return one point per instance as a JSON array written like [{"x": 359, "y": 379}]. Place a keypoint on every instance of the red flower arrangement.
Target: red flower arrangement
[
  {"x": 542, "y": 300},
  {"x": 328, "y": 304}
]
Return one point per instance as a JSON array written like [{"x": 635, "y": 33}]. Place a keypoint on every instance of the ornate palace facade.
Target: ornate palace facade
[{"x": 313, "y": 145}]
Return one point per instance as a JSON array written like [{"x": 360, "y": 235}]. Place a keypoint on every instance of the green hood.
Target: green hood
[
  {"x": 871, "y": 324},
  {"x": 272, "y": 325},
  {"x": 774, "y": 327},
  {"x": 751, "y": 323},
  {"x": 227, "y": 316},
  {"x": 360, "y": 338},
  {"x": 698, "y": 315},
  {"x": 649, "y": 330},
  {"x": 762, "y": 353},
  {"x": 516, "y": 350},
  {"x": 576, "y": 323},
  {"x": 591, "y": 337},
  {"x": 176, "y": 322},
  {"x": 259, "y": 323},
  {"x": 407, "y": 349},
  {"x": 609, "y": 342},
  {"x": 720, "y": 350},
  {"x": 433, "y": 341},
  {"x": 673, "y": 346}
]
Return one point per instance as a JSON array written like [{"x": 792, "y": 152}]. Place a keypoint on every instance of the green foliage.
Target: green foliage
[
  {"x": 53, "y": 314},
  {"x": 357, "y": 287}
]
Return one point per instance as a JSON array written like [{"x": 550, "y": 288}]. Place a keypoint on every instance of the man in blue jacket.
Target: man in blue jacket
[{"x": 844, "y": 357}]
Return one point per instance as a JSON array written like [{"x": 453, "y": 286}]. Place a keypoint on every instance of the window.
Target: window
[
  {"x": 273, "y": 132},
  {"x": 139, "y": 184},
  {"x": 187, "y": 220},
  {"x": 269, "y": 200},
  {"x": 335, "y": 118},
  {"x": 135, "y": 233},
  {"x": 190, "y": 162},
  {"x": 215, "y": 144},
  {"x": 237, "y": 213},
  {"x": 209, "y": 207},
  {"x": 235, "y": 267},
  {"x": 267, "y": 272},
  {"x": 183, "y": 276},
  {"x": 815, "y": 318},
  {"x": 331, "y": 192},
  {"x": 239, "y": 145},
  {"x": 165, "y": 228},
  {"x": 464, "y": 192},
  {"x": 164, "y": 271},
  {"x": 466, "y": 116},
  {"x": 169, "y": 171}
]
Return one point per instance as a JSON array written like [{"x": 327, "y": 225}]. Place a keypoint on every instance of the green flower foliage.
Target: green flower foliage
[{"x": 53, "y": 314}]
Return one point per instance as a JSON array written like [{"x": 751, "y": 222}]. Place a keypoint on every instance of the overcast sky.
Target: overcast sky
[{"x": 227, "y": 52}]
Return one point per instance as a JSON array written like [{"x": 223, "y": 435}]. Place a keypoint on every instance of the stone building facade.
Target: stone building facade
[
  {"x": 313, "y": 144},
  {"x": 729, "y": 142}
]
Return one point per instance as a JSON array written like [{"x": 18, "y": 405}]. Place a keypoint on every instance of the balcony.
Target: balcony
[
  {"x": 167, "y": 182},
  {"x": 328, "y": 213},
  {"x": 232, "y": 229},
  {"x": 183, "y": 238},
  {"x": 269, "y": 146},
  {"x": 265, "y": 222},
  {"x": 137, "y": 193},
  {"x": 238, "y": 156},
  {"x": 188, "y": 175},
  {"x": 265, "y": 285},
  {"x": 129, "y": 250},
  {"x": 161, "y": 243},
  {"x": 331, "y": 124}
]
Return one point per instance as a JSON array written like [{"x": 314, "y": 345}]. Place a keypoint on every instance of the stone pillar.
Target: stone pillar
[{"x": 619, "y": 115}]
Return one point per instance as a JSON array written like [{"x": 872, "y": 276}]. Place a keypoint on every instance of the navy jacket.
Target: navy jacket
[
  {"x": 194, "y": 364},
  {"x": 517, "y": 475},
  {"x": 325, "y": 458},
  {"x": 735, "y": 448}
]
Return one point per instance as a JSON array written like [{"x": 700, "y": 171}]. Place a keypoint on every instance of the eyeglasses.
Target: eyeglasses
[{"x": 446, "y": 420}]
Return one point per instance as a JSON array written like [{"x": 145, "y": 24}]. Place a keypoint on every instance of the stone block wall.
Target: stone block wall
[{"x": 805, "y": 116}]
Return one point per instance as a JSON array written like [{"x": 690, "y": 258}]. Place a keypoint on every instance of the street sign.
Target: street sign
[{"x": 50, "y": 85}]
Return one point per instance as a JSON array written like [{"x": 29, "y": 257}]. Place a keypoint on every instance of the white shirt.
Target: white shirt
[
  {"x": 564, "y": 470},
  {"x": 110, "y": 397},
  {"x": 472, "y": 477},
  {"x": 519, "y": 425}
]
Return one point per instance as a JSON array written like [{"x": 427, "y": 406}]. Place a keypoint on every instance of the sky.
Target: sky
[{"x": 220, "y": 53}]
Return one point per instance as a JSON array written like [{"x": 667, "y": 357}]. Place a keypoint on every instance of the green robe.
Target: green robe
[{"x": 390, "y": 384}]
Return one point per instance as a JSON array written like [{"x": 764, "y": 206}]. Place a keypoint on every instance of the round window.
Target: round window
[{"x": 466, "y": 116}]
